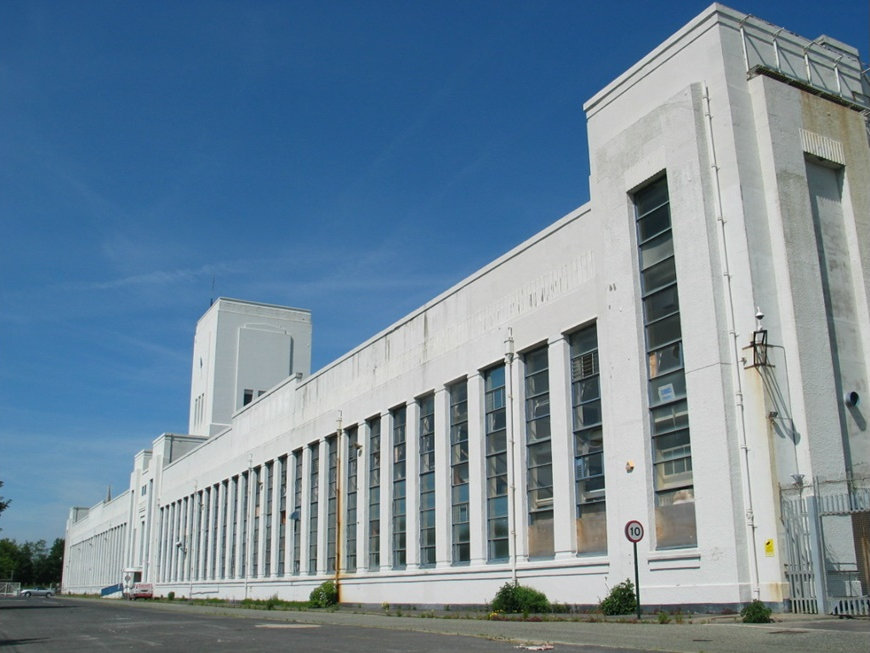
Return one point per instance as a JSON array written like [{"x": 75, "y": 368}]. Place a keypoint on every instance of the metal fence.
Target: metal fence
[
  {"x": 8, "y": 588},
  {"x": 827, "y": 546}
]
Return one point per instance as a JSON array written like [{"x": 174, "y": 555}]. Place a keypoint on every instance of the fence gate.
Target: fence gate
[{"x": 827, "y": 548}]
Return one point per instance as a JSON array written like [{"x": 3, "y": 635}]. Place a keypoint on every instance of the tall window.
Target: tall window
[
  {"x": 256, "y": 487},
  {"x": 267, "y": 526},
  {"x": 539, "y": 457},
  {"x": 590, "y": 515},
  {"x": 669, "y": 423},
  {"x": 296, "y": 515},
  {"x": 213, "y": 502},
  {"x": 234, "y": 497},
  {"x": 222, "y": 549},
  {"x": 399, "y": 488},
  {"x": 313, "y": 491},
  {"x": 282, "y": 512},
  {"x": 374, "y": 493},
  {"x": 331, "y": 501},
  {"x": 243, "y": 535},
  {"x": 427, "y": 480},
  {"x": 497, "y": 527},
  {"x": 351, "y": 493},
  {"x": 461, "y": 533}
]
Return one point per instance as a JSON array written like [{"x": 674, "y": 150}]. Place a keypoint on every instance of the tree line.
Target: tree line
[{"x": 31, "y": 563}]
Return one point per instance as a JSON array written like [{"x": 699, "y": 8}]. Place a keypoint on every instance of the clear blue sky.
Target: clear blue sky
[{"x": 352, "y": 158}]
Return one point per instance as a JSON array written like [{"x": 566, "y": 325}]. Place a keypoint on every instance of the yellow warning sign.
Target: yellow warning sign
[{"x": 768, "y": 548}]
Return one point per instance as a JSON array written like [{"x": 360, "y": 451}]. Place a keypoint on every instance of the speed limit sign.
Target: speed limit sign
[{"x": 634, "y": 531}]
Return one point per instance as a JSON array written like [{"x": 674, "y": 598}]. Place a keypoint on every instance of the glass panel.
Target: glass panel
[
  {"x": 667, "y": 388},
  {"x": 587, "y": 390},
  {"x": 672, "y": 445},
  {"x": 668, "y": 418},
  {"x": 663, "y": 332},
  {"x": 497, "y": 507},
  {"x": 664, "y": 360},
  {"x": 651, "y": 197},
  {"x": 496, "y": 442},
  {"x": 538, "y": 430},
  {"x": 584, "y": 340},
  {"x": 499, "y": 527},
  {"x": 495, "y": 378},
  {"x": 587, "y": 414},
  {"x": 590, "y": 465},
  {"x": 538, "y": 407},
  {"x": 659, "y": 275},
  {"x": 656, "y": 250},
  {"x": 537, "y": 383},
  {"x": 539, "y": 454},
  {"x": 654, "y": 223},
  {"x": 459, "y": 432},
  {"x": 495, "y": 421},
  {"x": 588, "y": 441},
  {"x": 460, "y": 494},
  {"x": 496, "y": 465},
  {"x": 662, "y": 303},
  {"x": 541, "y": 477}
]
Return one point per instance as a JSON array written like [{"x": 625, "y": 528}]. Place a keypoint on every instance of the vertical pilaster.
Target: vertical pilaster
[
  {"x": 562, "y": 447},
  {"x": 476, "y": 469}
]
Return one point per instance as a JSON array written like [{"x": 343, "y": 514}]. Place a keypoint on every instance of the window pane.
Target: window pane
[
  {"x": 494, "y": 378},
  {"x": 587, "y": 415},
  {"x": 584, "y": 340},
  {"x": 537, "y": 383},
  {"x": 496, "y": 442},
  {"x": 667, "y": 388},
  {"x": 665, "y": 360},
  {"x": 657, "y": 249},
  {"x": 654, "y": 223},
  {"x": 663, "y": 332},
  {"x": 538, "y": 429},
  {"x": 651, "y": 196},
  {"x": 661, "y": 303},
  {"x": 588, "y": 441},
  {"x": 668, "y": 418},
  {"x": 659, "y": 275},
  {"x": 672, "y": 445},
  {"x": 539, "y": 454}
]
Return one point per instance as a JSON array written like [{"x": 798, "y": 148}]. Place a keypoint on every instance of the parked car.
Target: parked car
[
  {"x": 36, "y": 591},
  {"x": 141, "y": 591}
]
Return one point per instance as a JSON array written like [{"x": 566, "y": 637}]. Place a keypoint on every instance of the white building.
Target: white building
[{"x": 614, "y": 367}]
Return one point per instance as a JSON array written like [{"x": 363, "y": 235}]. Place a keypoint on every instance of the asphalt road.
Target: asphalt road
[{"x": 66, "y": 624}]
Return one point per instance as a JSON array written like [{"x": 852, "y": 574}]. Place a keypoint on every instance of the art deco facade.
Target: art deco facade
[{"x": 614, "y": 367}]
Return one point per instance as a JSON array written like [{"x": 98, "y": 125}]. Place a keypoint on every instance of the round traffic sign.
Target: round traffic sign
[{"x": 634, "y": 531}]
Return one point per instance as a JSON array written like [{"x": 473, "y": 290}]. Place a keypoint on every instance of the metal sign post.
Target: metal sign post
[{"x": 634, "y": 534}]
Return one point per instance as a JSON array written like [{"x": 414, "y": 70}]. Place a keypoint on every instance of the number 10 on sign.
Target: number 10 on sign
[{"x": 634, "y": 534}]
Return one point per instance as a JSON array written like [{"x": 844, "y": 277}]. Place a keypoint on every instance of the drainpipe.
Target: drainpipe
[
  {"x": 509, "y": 424},
  {"x": 732, "y": 330}
]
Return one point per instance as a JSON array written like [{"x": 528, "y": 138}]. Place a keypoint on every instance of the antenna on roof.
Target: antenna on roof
[{"x": 211, "y": 299}]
